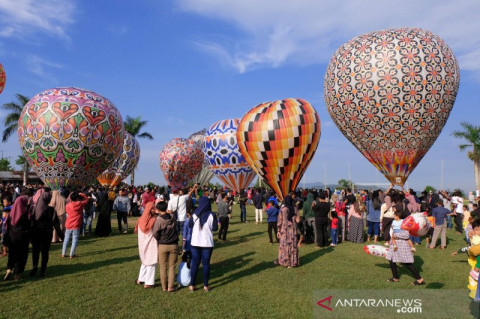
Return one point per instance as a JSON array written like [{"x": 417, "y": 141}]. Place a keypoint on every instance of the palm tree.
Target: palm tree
[
  {"x": 471, "y": 135},
  {"x": 11, "y": 120},
  {"x": 22, "y": 161},
  {"x": 134, "y": 125}
]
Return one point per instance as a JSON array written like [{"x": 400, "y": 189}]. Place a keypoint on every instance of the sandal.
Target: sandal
[
  {"x": 392, "y": 280},
  {"x": 191, "y": 288},
  {"x": 206, "y": 289},
  {"x": 418, "y": 283},
  {"x": 172, "y": 290},
  {"x": 138, "y": 282}
]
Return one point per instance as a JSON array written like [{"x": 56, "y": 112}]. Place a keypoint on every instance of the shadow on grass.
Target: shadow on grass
[
  {"x": 222, "y": 269},
  {"x": 60, "y": 270},
  {"x": 435, "y": 285},
  {"x": 236, "y": 240},
  {"x": 308, "y": 258}
]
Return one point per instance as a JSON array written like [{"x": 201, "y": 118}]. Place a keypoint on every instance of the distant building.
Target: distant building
[{"x": 7, "y": 177}]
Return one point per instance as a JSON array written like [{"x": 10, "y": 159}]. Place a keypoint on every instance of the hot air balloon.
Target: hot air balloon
[
  {"x": 390, "y": 93},
  {"x": 70, "y": 135},
  {"x": 278, "y": 140},
  {"x": 124, "y": 164},
  {"x": 205, "y": 174},
  {"x": 3, "y": 78},
  {"x": 180, "y": 160},
  {"x": 223, "y": 155}
]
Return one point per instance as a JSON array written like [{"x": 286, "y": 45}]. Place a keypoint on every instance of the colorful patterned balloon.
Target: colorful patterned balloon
[
  {"x": 70, "y": 135},
  {"x": 3, "y": 78},
  {"x": 124, "y": 164},
  {"x": 390, "y": 93},
  {"x": 205, "y": 174},
  {"x": 180, "y": 160},
  {"x": 223, "y": 155},
  {"x": 278, "y": 140}
]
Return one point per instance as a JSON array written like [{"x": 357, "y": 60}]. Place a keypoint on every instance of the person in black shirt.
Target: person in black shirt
[{"x": 321, "y": 208}]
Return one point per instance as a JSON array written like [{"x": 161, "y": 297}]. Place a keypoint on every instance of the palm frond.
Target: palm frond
[
  {"x": 146, "y": 135},
  {"x": 462, "y": 147},
  {"x": 12, "y": 106},
  {"x": 11, "y": 118},
  {"x": 8, "y": 131}
]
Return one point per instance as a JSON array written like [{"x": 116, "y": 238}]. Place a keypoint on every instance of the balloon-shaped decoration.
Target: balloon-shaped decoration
[
  {"x": 278, "y": 140},
  {"x": 205, "y": 174},
  {"x": 124, "y": 164},
  {"x": 3, "y": 78},
  {"x": 416, "y": 224},
  {"x": 225, "y": 160},
  {"x": 180, "y": 160},
  {"x": 70, "y": 135},
  {"x": 390, "y": 93}
]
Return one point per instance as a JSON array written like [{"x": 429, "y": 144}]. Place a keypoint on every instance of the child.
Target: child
[
  {"x": 186, "y": 235},
  {"x": 183, "y": 277},
  {"x": 474, "y": 236},
  {"x": 272, "y": 218},
  {"x": 468, "y": 228},
  {"x": 396, "y": 227},
  {"x": 334, "y": 228},
  {"x": 4, "y": 229},
  {"x": 431, "y": 220}
]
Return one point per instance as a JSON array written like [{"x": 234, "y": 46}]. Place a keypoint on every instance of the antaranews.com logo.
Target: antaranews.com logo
[
  {"x": 399, "y": 305},
  {"x": 394, "y": 303}
]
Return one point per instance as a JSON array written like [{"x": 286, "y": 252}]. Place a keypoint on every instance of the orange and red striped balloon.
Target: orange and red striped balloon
[{"x": 278, "y": 140}]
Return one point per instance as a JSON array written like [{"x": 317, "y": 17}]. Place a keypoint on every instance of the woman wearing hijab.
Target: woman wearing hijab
[
  {"x": 287, "y": 233},
  {"x": 355, "y": 222},
  {"x": 147, "y": 247},
  {"x": 202, "y": 222},
  {"x": 42, "y": 230},
  {"x": 386, "y": 216},
  {"x": 104, "y": 226},
  {"x": 19, "y": 234},
  {"x": 58, "y": 203}
]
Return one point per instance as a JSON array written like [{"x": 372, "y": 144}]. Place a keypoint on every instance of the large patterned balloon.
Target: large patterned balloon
[
  {"x": 205, "y": 174},
  {"x": 124, "y": 164},
  {"x": 225, "y": 160},
  {"x": 3, "y": 78},
  {"x": 390, "y": 93},
  {"x": 278, "y": 140},
  {"x": 180, "y": 160},
  {"x": 70, "y": 135}
]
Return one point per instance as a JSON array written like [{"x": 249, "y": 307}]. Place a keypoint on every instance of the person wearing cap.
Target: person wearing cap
[{"x": 178, "y": 204}]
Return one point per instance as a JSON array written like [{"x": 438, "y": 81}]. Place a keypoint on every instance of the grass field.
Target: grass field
[{"x": 244, "y": 281}]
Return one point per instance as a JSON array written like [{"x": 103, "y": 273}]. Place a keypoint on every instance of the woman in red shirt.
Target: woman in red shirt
[{"x": 74, "y": 210}]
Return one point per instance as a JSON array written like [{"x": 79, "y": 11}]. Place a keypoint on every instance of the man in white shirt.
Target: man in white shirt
[
  {"x": 178, "y": 202},
  {"x": 457, "y": 200}
]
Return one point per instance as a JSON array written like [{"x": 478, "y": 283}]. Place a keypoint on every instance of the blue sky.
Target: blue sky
[{"x": 185, "y": 64}]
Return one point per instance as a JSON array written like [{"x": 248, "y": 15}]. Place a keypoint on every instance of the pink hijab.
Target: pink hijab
[{"x": 20, "y": 208}]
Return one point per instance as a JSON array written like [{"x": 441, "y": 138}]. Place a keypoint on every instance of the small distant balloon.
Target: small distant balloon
[
  {"x": 390, "y": 93},
  {"x": 223, "y": 155},
  {"x": 3, "y": 78},
  {"x": 278, "y": 140},
  {"x": 124, "y": 165},
  {"x": 180, "y": 160}
]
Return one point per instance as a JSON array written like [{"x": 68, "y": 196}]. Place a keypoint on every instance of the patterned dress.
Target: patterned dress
[
  {"x": 403, "y": 253},
  {"x": 287, "y": 249}
]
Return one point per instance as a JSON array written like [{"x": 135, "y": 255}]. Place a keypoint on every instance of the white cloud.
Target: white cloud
[
  {"x": 276, "y": 32},
  {"x": 37, "y": 65},
  {"x": 20, "y": 17}
]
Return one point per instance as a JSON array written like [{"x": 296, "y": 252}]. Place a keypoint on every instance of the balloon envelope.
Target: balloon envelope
[
  {"x": 3, "y": 78},
  {"x": 205, "y": 174},
  {"x": 180, "y": 160},
  {"x": 278, "y": 140},
  {"x": 390, "y": 93},
  {"x": 225, "y": 160},
  {"x": 124, "y": 164},
  {"x": 70, "y": 135}
]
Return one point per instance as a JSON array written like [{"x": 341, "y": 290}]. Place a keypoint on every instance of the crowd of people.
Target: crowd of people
[{"x": 176, "y": 221}]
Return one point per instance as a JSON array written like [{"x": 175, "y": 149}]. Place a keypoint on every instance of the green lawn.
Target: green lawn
[{"x": 244, "y": 281}]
